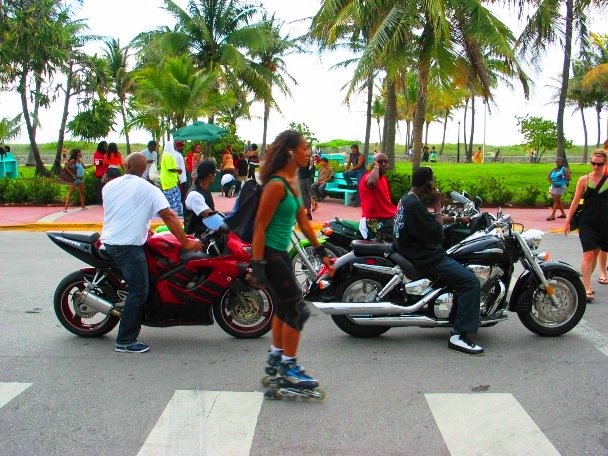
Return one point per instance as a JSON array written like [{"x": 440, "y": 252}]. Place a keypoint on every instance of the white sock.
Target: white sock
[
  {"x": 274, "y": 350},
  {"x": 286, "y": 358}
]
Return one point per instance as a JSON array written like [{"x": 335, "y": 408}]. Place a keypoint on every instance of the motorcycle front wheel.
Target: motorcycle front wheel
[
  {"x": 359, "y": 288},
  {"x": 300, "y": 269},
  {"x": 77, "y": 317},
  {"x": 246, "y": 319},
  {"x": 547, "y": 320}
]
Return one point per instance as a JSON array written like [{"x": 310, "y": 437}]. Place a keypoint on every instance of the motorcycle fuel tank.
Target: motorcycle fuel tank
[{"x": 482, "y": 249}]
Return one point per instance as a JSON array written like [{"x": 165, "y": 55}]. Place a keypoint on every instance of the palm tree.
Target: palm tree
[
  {"x": 378, "y": 113},
  {"x": 178, "y": 92},
  {"x": 10, "y": 128},
  {"x": 121, "y": 79},
  {"x": 547, "y": 25},
  {"x": 218, "y": 36},
  {"x": 273, "y": 68},
  {"x": 595, "y": 79}
]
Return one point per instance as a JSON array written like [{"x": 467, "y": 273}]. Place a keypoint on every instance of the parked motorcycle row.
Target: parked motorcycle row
[{"x": 373, "y": 288}]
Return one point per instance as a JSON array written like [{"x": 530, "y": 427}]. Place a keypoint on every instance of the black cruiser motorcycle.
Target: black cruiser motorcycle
[{"x": 375, "y": 288}]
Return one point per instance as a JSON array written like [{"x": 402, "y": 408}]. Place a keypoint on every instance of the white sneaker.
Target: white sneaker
[{"x": 461, "y": 343}]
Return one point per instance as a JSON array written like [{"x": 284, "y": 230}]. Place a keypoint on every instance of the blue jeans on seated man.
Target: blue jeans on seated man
[
  {"x": 228, "y": 185},
  {"x": 468, "y": 292},
  {"x": 351, "y": 174},
  {"x": 132, "y": 261}
]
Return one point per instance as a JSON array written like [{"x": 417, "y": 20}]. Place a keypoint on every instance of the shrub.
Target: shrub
[
  {"x": 399, "y": 184},
  {"x": 4, "y": 184},
  {"x": 43, "y": 191},
  {"x": 17, "y": 191},
  {"x": 529, "y": 195}
]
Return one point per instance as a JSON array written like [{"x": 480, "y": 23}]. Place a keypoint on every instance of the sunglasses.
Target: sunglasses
[
  {"x": 382, "y": 162},
  {"x": 598, "y": 164}
]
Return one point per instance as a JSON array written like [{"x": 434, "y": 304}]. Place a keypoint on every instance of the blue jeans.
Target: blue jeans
[
  {"x": 132, "y": 261},
  {"x": 351, "y": 174},
  {"x": 468, "y": 292}
]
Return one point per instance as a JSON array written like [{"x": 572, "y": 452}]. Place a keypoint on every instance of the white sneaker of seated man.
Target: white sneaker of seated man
[{"x": 461, "y": 343}]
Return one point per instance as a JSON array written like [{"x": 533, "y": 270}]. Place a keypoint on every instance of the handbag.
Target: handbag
[
  {"x": 65, "y": 175},
  {"x": 576, "y": 218}
]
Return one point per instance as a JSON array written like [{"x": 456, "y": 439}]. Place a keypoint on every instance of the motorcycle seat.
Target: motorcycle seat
[
  {"x": 87, "y": 238},
  {"x": 408, "y": 268},
  {"x": 186, "y": 256},
  {"x": 365, "y": 248},
  {"x": 103, "y": 254}
]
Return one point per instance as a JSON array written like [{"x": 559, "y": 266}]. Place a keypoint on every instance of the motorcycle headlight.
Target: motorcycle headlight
[{"x": 533, "y": 238}]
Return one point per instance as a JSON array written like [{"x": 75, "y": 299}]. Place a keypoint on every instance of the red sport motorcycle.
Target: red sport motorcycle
[{"x": 186, "y": 288}]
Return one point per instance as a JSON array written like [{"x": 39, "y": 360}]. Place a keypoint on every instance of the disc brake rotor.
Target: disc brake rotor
[
  {"x": 544, "y": 309},
  {"x": 251, "y": 311}
]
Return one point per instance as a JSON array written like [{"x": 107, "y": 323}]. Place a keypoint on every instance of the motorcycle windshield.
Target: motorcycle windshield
[{"x": 213, "y": 222}]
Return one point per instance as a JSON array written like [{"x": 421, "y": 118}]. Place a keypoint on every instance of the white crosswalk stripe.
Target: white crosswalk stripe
[
  {"x": 595, "y": 338},
  {"x": 9, "y": 391},
  {"x": 210, "y": 423},
  {"x": 487, "y": 424}
]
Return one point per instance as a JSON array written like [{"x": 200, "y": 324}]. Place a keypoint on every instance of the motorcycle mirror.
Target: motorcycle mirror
[
  {"x": 478, "y": 201},
  {"x": 466, "y": 194},
  {"x": 458, "y": 197}
]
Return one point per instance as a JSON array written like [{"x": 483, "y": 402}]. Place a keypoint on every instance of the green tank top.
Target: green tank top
[{"x": 278, "y": 231}]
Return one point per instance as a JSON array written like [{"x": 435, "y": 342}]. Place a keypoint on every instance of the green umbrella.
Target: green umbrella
[{"x": 199, "y": 130}]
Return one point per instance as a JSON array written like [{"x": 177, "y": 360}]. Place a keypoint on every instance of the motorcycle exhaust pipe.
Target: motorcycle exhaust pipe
[
  {"x": 86, "y": 298},
  {"x": 401, "y": 321},
  {"x": 373, "y": 308}
]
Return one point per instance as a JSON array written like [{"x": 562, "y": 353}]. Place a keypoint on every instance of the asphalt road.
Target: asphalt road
[{"x": 403, "y": 393}]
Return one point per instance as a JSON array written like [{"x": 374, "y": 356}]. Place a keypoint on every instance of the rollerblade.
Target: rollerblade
[
  {"x": 273, "y": 361},
  {"x": 293, "y": 384}
]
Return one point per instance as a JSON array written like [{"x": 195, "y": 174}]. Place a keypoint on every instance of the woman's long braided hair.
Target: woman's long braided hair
[{"x": 278, "y": 154}]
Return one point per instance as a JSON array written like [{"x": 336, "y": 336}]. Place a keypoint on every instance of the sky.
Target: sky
[{"x": 318, "y": 99}]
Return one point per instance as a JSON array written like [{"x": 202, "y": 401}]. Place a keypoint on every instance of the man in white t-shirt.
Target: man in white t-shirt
[
  {"x": 129, "y": 204},
  {"x": 178, "y": 154},
  {"x": 151, "y": 158}
]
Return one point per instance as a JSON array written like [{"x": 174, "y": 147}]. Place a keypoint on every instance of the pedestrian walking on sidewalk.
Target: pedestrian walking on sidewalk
[
  {"x": 559, "y": 178},
  {"x": 75, "y": 167}
]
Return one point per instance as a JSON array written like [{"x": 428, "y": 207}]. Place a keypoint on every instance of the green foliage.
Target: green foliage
[
  {"x": 94, "y": 123},
  {"x": 43, "y": 191},
  {"x": 529, "y": 195},
  {"x": 303, "y": 129},
  {"x": 540, "y": 133},
  {"x": 399, "y": 184},
  {"x": 17, "y": 191},
  {"x": 10, "y": 128},
  {"x": 4, "y": 184},
  {"x": 336, "y": 143},
  {"x": 71, "y": 144}
]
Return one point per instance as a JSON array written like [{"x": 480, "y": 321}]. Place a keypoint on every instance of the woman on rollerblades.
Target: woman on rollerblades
[{"x": 279, "y": 208}]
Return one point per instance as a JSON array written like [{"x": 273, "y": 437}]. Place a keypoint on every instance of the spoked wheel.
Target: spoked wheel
[
  {"x": 77, "y": 317},
  {"x": 545, "y": 319},
  {"x": 303, "y": 276},
  {"x": 246, "y": 319},
  {"x": 359, "y": 288}
]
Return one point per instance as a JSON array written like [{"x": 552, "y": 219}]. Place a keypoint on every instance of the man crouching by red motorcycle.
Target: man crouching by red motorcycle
[
  {"x": 129, "y": 203},
  {"x": 199, "y": 201}
]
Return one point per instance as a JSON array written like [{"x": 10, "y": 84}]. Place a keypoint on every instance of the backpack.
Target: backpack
[{"x": 241, "y": 219}]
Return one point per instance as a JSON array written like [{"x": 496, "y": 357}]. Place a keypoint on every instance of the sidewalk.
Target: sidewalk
[{"x": 15, "y": 218}]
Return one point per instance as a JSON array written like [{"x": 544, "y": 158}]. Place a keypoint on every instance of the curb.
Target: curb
[{"x": 86, "y": 227}]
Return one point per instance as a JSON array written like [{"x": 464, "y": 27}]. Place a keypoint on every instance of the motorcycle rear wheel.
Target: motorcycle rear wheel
[
  {"x": 301, "y": 270},
  {"x": 545, "y": 320},
  {"x": 359, "y": 288},
  {"x": 83, "y": 322},
  {"x": 248, "y": 321}
]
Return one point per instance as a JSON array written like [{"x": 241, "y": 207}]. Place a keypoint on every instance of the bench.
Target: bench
[{"x": 339, "y": 185}]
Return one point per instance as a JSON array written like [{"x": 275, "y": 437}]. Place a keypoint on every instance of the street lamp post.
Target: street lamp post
[{"x": 458, "y": 149}]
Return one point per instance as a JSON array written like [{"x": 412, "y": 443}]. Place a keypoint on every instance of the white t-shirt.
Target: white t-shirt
[
  {"x": 129, "y": 204},
  {"x": 181, "y": 164},
  {"x": 196, "y": 202},
  {"x": 149, "y": 156},
  {"x": 227, "y": 178}
]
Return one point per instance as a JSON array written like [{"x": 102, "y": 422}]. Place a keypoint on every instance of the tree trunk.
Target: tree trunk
[
  {"x": 445, "y": 126},
  {"x": 31, "y": 127},
  {"x": 561, "y": 106},
  {"x": 56, "y": 168},
  {"x": 426, "y": 133},
  {"x": 585, "y": 147},
  {"x": 123, "y": 111},
  {"x": 423, "y": 78},
  {"x": 379, "y": 133},
  {"x": 384, "y": 130},
  {"x": 391, "y": 122},
  {"x": 368, "y": 118},
  {"x": 265, "y": 129},
  {"x": 598, "y": 111},
  {"x": 470, "y": 149},
  {"x": 464, "y": 126}
]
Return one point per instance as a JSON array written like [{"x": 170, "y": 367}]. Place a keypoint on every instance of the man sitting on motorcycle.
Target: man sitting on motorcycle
[
  {"x": 376, "y": 205},
  {"x": 199, "y": 201},
  {"x": 417, "y": 235}
]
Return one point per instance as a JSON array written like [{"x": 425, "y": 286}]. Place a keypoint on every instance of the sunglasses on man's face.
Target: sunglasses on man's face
[
  {"x": 598, "y": 164},
  {"x": 382, "y": 162}
]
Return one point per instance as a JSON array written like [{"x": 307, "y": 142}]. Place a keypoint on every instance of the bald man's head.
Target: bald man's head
[{"x": 136, "y": 164}]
